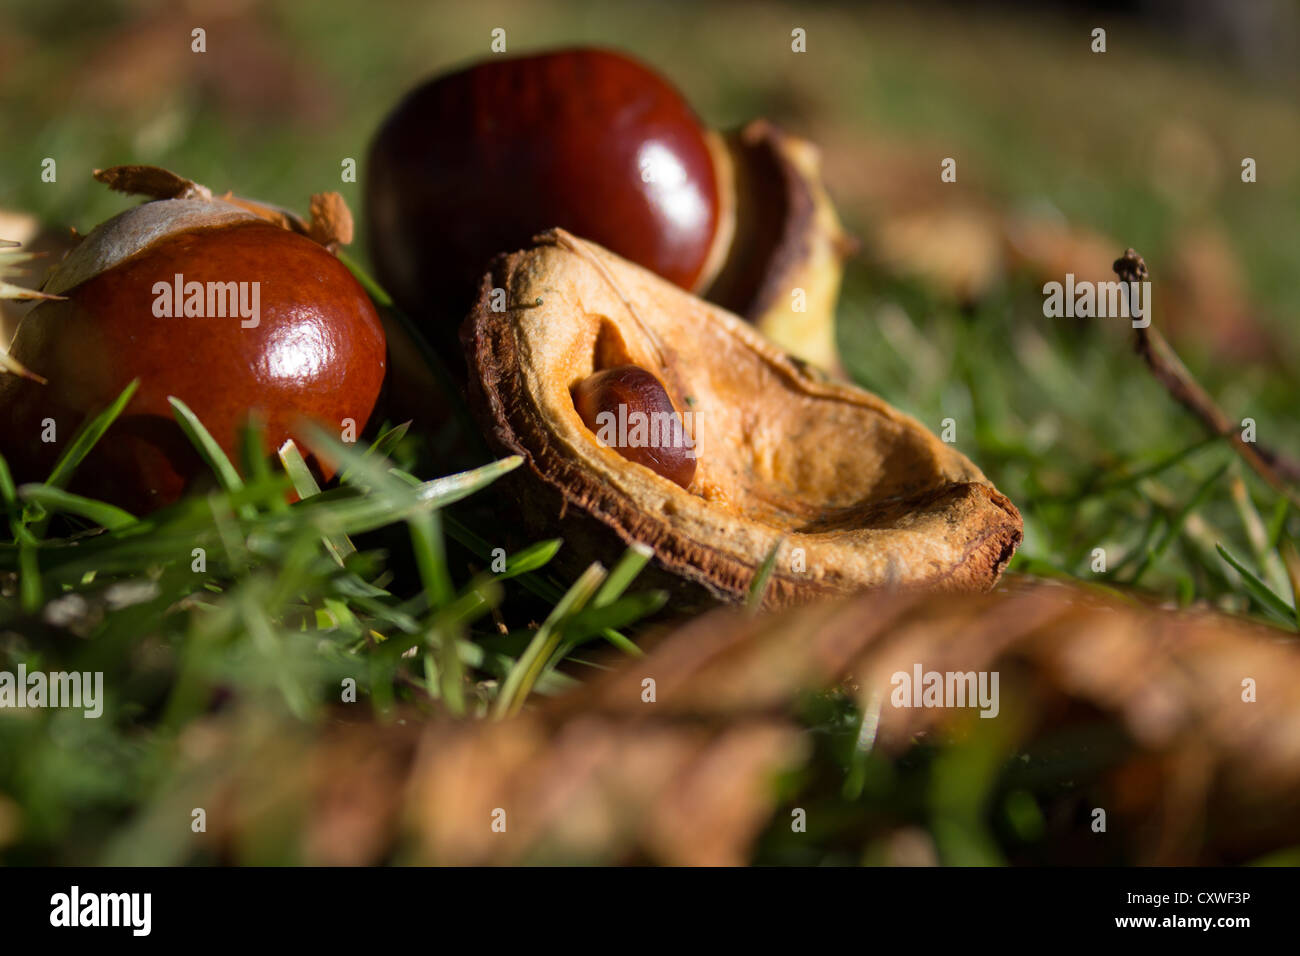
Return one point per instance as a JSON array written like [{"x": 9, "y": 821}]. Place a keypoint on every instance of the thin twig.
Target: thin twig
[{"x": 1278, "y": 471}]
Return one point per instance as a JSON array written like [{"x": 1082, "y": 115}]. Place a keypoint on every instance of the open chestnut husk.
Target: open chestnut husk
[
  {"x": 850, "y": 492},
  {"x": 232, "y": 306},
  {"x": 480, "y": 160},
  {"x": 786, "y": 257}
]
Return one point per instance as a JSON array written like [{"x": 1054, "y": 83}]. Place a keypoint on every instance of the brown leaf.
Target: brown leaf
[
  {"x": 1222, "y": 772},
  {"x": 602, "y": 776},
  {"x": 956, "y": 250},
  {"x": 598, "y": 790},
  {"x": 586, "y": 790}
]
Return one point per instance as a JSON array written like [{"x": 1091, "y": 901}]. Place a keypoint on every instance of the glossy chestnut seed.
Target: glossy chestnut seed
[
  {"x": 308, "y": 344},
  {"x": 629, "y": 410},
  {"x": 478, "y": 162}
]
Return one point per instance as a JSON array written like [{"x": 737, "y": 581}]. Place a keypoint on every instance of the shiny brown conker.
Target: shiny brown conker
[
  {"x": 629, "y": 410},
  {"x": 315, "y": 351},
  {"x": 479, "y": 161}
]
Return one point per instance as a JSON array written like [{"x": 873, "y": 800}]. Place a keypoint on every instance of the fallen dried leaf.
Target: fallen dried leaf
[{"x": 1197, "y": 773}]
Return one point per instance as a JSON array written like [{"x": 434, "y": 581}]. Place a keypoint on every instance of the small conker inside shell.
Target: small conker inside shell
[
  {"x": 313, "y": 350},
  {"x": 629, "y": 410},
  {"x": 479, "y": 161}
]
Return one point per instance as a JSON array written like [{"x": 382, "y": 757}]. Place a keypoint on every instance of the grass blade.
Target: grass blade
[
  {"x": 380, "y": 448},
  {"x": 1259, "y": 590},
  {"x": 295, "y": 466},
  {"x": 431, "y": 557},
  {"x": 206, "y": 445},
  {"x": 304, "y": 483},
  {"x": 632, "y": 562},
  {"x": 252, "y": 455},
  {"x": 1132, "y": 478},
  {"x": 532, "y": 558},
  {"x": 56, "y": 500},
  {"x": 758, "y": 587},
  {"x": 594, "y": 620},
  {"x": 1277, "y": 521},
  {"x": 1266, "y": 558},
  {"x": 1176, "y": 525},
  {"x": 86, "y": 438},
  {"x": 31, "y": 591},
  {"x": 1291, "y": 559},
  {"x": 535, "y": 583},
  {"x": 523, "y": 675}
]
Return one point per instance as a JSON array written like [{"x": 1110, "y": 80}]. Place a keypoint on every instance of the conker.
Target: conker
[
  {"x": 629, "y": 410},
  {"x": 266, "y": 320},
  {"x": 477, "y": 162}
]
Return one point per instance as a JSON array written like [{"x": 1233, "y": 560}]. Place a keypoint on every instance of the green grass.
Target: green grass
[{"x": 1067, "y": 422}]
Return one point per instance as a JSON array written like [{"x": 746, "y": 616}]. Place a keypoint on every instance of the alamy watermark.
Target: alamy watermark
[
  {"x": 949, "y": 689},
  {"x": 76, "y": 690},
  {"x": 633, "y": 428},
  {"x": 133, "y": 911},
  {"x": 210, "y": 300},
  {"x": 1104, "y": 300}
]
